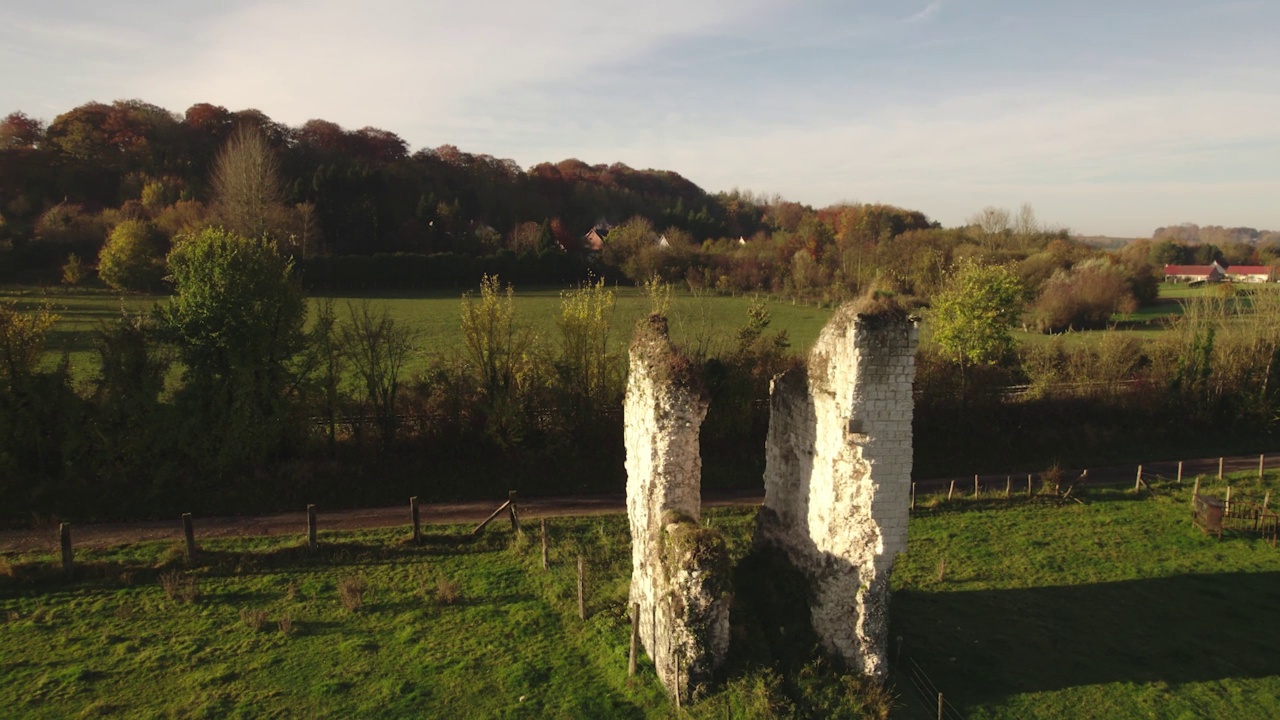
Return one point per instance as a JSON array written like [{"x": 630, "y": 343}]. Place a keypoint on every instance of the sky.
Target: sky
[{"x": 1110, "y": 117}]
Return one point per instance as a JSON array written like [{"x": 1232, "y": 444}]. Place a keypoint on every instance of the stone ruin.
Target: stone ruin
[
  {"x": 680, "y": 570},
  {"x": 837, "y": 484},
  {"x": 838, "y": 475}
]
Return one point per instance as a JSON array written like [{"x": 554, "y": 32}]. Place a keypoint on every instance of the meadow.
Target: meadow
[
  {"x": 707, "y": 321},
  {"x": 1112, "y": 608},
  {"x": 704, "y": 320}
]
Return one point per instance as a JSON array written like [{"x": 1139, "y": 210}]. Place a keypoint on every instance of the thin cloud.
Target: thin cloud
[{"x": 925, "y": 14}]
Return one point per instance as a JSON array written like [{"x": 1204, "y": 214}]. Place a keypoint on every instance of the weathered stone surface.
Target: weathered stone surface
[
  {"x": 838, "y": 475},
  {"x": 679, "y": 569}
]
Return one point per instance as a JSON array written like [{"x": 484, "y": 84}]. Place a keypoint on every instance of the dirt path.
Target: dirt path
[{"x": 102, "y": 535}]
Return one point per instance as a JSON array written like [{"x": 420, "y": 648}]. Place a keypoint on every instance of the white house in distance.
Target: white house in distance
[
  {"x": 1251, "y": 273},
  {"x": 1215, "y": 272},
  {"x": 1195, "y": 273}
]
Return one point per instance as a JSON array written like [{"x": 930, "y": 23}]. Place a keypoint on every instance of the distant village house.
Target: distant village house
[{"x": 1215, "y": 272}]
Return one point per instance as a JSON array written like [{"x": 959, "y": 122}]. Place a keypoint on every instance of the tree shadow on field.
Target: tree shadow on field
[{"x": 982, "y": 645}]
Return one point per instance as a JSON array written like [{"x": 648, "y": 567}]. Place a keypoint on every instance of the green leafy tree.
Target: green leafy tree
[
  {"x": 133, "y": 258},
  {"x": 236, "y": 319},
  {"x": 973, "y": 312}
]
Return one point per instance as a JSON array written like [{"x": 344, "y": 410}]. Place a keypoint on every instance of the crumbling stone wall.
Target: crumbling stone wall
[
  {"x": 680, "y": 569},
  {"x": 838, "y": 475}
]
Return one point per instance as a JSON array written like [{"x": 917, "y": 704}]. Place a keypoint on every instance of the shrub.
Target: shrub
[
  {"x": 180, "y": 587},
  {"x": 255, "y": 620},
  {"x": 447, "y": 591},
  {"x": 351, "y": 592},
  {"x": 1084, "y": 297},
  {"x": 133, "y": 258}
]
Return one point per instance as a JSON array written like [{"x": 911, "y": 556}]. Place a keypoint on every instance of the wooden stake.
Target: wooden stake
[
  {"x": 1195, "y": 491},
  {"x": 677, "y": 683},
  {"x": 952, "y": 490},
  {"x": 311, "y": 527},
  {"x": 515, "y": 516},
  {"x": 913, "y": 496},
  {"x": 1220, "y": 469},
  {"x": 635, "y": 639},
  {"x": 1227, "y": 509},
  {"x": 582, "y": 588},
  {"x": 413, "y": 517},
  {"x": 1266, "y": 500},
  {"x": 545, "y": 564},
  {"x": 1137, "y": 482},
  {"x": 976, "y": 490},
  {"x": 1008, "y": 486},
  {"x": 1179, "y": 472},
  {"x": 939, "y": 706},
  {"x": 1262, "y": 465},
  {"x": 189, "y": 533},
  {"x": 64, "y": 539},
  {"x": 1028, "y": 487}
]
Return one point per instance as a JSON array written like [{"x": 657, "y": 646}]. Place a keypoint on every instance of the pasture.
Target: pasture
[
  {"x": 705, "y": 320},
  {"x": 1114, "y": 608}
]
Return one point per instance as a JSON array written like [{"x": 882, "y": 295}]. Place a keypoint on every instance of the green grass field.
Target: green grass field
[
  {"x": 1116, "y": 608},
  {"x": 705, "y": 320},
  {"x": 709, "y": 320}
]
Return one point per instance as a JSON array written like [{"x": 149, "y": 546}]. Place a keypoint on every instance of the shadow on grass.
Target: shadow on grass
[{"x": 980, "y": 646}]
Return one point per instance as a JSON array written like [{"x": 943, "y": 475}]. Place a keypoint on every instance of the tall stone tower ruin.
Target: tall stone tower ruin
[
  {"x": 838, "y": 474},
  {"x": 680, "y": 571}
]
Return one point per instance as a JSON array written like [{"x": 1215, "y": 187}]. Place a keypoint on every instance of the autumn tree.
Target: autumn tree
[
  {"x": 133, "y": 257},
  {"x": 377, "y": 348},
  {"x": 499, "y": 352},
  {"x": 590, "y": 375},
  {"x": 246, "y": 186}
]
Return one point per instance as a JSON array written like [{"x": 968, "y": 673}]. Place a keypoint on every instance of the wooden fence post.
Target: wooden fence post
[
  {"x": 1227, "y": 509},
  {"x": 1262, "y": 465},
  {"x": 515, "y": 516},
  {"x": 545, "y": 564},
  {"x": 311, "y": 528},
  {"x": 1008, "y": 486},
  {"x": 939, "y": 706},
  {"x": 189, "y": 533},
  {"x": 635, "y": 639},
  {"x": 977, "y": 492},
  {"x": 413, "y": 517},
  {"x": 64, "y": 539},
  {"x": 913, "y": 496},
  {"x": 1266, "y": 500},
  {"x": 1029, "y": 486},
  {"x": 1220, "y": 469},
  {"x": 677, "y": 683},
  {"x": 1137, "y": 482},
  {"x": 582, "y": 588},
  {"x": 952, "y": 490},
  {"x": 1179, "y": 472},
  {"x": 1195, "y": 491}
]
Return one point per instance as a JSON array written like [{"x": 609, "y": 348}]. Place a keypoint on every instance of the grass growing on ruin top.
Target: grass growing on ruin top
[{"x": 1116, "y": 608}]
